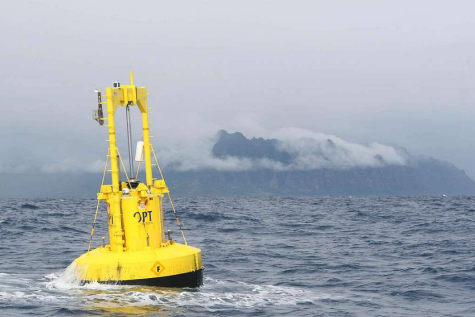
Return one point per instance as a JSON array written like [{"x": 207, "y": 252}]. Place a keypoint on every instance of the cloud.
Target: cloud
[
  {"x": 14, "y": 169},
  {"x": 72, "y": 166},
  {"x": 191, "y": 149},
  {"x": 198, "y": 155},
  {"x": 308, "y": 150},
  {"x": 312, "y": 150}
]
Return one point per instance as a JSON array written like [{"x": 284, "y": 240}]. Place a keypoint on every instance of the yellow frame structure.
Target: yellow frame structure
[
  {"x": 128, "y": 95},
  {"x": 138, "y": 252}
]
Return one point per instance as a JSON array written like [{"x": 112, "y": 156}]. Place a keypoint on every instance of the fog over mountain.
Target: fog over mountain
[
  {"x": 300, "y": 163},
  {"x": 318, "y": 165},
  {"x": 295, "y": 149}
]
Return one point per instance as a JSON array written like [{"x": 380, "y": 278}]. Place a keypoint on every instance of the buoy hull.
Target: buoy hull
[{"x": 172, "y": 265}]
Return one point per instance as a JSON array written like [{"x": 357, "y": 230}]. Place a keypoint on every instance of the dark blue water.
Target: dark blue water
[{"x": 330, "y": 256}]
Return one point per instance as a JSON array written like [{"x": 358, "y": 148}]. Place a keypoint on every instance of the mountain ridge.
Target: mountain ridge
[{"x": 418, "y": 176}]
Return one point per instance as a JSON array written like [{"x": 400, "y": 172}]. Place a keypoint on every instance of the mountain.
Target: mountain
[
  {"x": 236, "y": 144},
  {"x": 419, "y": 176},
  {"x": 281, "y": 168}
]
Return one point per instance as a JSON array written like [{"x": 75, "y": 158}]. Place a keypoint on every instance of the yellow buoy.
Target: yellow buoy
[{"x": 139, "y": 252}]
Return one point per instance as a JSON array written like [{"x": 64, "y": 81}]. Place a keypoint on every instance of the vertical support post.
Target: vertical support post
[
  {"x": 129, "y": 141},
  {"x": 115, "y": 224},
  {"x": 112, "y": 140},
  {"x": 146, "y": 146}
]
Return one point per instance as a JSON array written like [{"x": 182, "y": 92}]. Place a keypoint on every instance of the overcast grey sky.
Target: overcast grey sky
[{"x": 392, "y": 72}]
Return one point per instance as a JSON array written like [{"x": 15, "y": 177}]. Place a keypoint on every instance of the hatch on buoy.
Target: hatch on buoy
[{"x": 139, "y": 252}]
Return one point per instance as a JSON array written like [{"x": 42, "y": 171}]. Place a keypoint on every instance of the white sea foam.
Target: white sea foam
[
  {"x": 31, "y": 296},
  {"x": 244, "y": 296},
  {"x": 215, "y": 295},
  {"x": 52, "y": 276},
  {"x": 23, "y": 290},
  {"x": 68, "y": 280},
  {"x": 65, "y": 280}
]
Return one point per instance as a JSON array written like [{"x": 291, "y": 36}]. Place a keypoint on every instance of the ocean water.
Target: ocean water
[{"x": 267, "y": 256}]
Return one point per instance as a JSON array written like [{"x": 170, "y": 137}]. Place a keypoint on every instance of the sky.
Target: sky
[{"x": 375, "y": 73}]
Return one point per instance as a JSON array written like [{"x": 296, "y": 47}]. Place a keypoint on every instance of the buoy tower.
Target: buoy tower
[{"x": 140, "y": 251}]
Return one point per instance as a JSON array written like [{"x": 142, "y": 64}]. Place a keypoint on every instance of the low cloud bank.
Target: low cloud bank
[
  {"x": 308, "y": 150},
  {"x": 312, "y": 150},
  {"x": 71, "y": 166}
]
